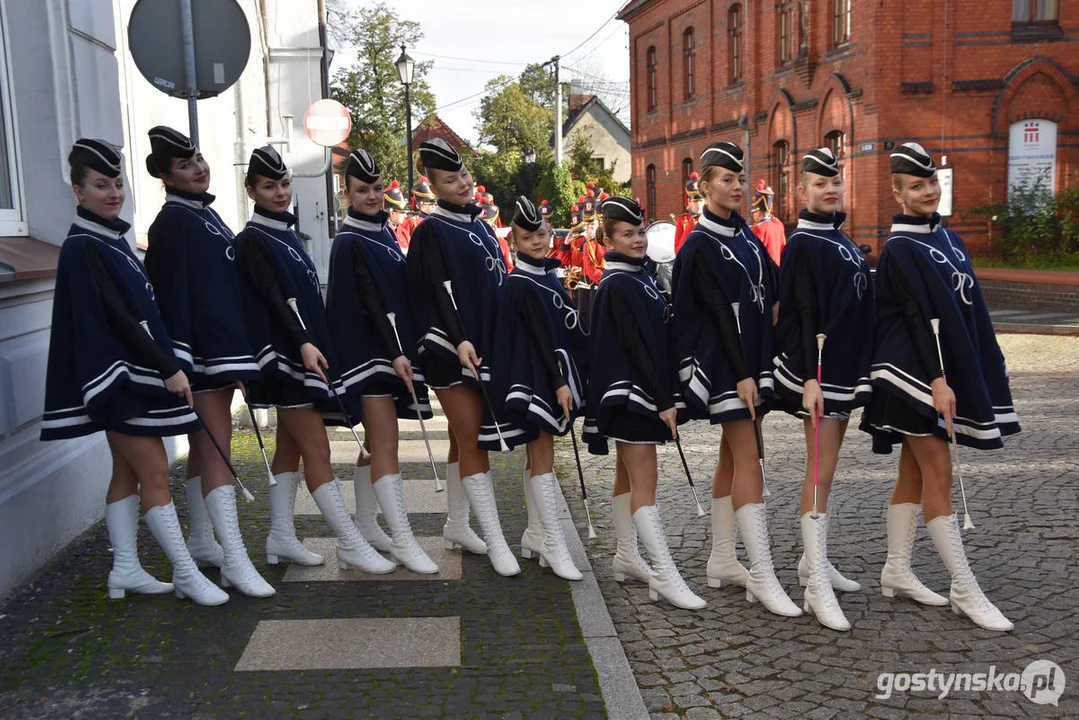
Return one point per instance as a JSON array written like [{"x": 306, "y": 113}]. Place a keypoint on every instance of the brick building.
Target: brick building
[{"x": 975, "y": 81}]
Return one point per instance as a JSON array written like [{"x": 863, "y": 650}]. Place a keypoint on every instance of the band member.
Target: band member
[
  {"x": 455, "y": 278},
  {"x": 423, "y": 201},
  {"x": 191, "y": 263},
  {"x": 394, "y": 203},
  {"x": 286, "y": 323},
  {"x": 535, "y": 381},
  {"x": 684, "y": 223},
  {"x": 823, "y": 290},
  {"x": 631, "y": 400},
  {"x": 482, "y": 196},
  {"x": 928, "y": 387},
  {"x": 111, "y": 367},
  {"x": 370, "y": 327},
  {"x": 567, "y": 255},
  {"x": 769, "y": 229},
  {"x": 724, "y": 296}
]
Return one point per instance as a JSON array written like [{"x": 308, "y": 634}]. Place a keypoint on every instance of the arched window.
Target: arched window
[
  {"x": 781, "y": 153},
  {"x": 836, "y": 141},
  {"x": 734, "y": 42},
  {"x": 840, "y": 22},
  {"x": 787, "y": 32},
  {"x": 653, "y": 91},
  {"x": 689, "y": 62},
  {"x": 650, "y": 188}
]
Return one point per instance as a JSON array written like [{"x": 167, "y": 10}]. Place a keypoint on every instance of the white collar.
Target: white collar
[
  {"x": 260, "y": 219},
  {"x": 804, "y": 224},
  {"x": 530, "y": 269},
  {"x": 926, "y": 229},
  {"x": 714, "y": 227},
  {"x": 91, "y": 226},
  {"x": 450, "y": 215},
  {"x": 361, "y": 225},
  {"x": 624, "y": 267},
  {"x": 186, "y": 202}
]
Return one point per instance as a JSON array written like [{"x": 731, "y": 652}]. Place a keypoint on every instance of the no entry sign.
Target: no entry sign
[{"x": 327, "y": 122}]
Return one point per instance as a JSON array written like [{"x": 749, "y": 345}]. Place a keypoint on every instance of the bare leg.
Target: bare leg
[
  {"x": 305, "y": 427},
  {"x": 935, "y": 464},
  {"x": 381, "y": 435},
  {"x": 216, "y": 411},
  {"x": 149, "y": 465},
  {"x": 286, "y": 456},
  {"x": 723, "y": 478},
  {"x": 831, "y": 438},
  {"x": 541, "y": 455},
  {"x": 642, "y": 476},
  {"x": 464, "y": 411},
  {"x": 747, "y": 486}
]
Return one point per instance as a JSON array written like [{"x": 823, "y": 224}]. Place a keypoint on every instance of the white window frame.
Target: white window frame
[{"x": 12, "y": 220}]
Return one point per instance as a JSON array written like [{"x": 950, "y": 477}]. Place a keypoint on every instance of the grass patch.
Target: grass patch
[{"x": 1067, "y": 263}]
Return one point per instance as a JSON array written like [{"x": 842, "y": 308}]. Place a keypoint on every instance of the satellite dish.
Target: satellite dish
[{"x": 222, "y": 44}]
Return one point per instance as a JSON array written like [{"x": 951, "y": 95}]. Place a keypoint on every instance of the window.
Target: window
[
  {"x": 11, "y": 220},
  {"x": 787, "y": 32},
  {"x": 599, "y": 162},
  {"x": 734, "y": 42},
  {"x": 653, "y": 92},
  {"x": 689, "y": 61},
  {"x": 650, "y": 187},
  {"x": 781, "y": 152},
  {"x": 836, "y": 141},
  {"x": 840, "y": 22},
  {"x": 687, "y": 170},
  {"x": 1026, "y": 11}
]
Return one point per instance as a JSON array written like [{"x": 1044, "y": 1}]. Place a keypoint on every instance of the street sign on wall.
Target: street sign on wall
[{"x": 222, "y": 40}]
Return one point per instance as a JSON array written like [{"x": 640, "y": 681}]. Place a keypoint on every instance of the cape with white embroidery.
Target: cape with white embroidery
[
  {"x": 191, "y": 262},
  {"x": 276, "y": 353},
  {"x": 844, "y": 314},
  {"x": 93, "y": 382},
  {"x": 740, "y": 266},
  {"x": 614, "y": 389},
  {"x": 932, "y": 265},
  {"x": 521, "y": 384},
  {"x": 362, "y": 351}
]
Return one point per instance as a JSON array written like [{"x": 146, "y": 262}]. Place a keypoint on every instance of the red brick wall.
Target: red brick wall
[{"x": 950, "y": 75}]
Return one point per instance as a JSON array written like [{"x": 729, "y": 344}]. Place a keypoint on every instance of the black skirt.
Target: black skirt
[
  {"x": 632, "y": 427},
  {"x": 889, "y": 417},
  {"x": 441, "y": 374},
  {"x": 274, "y": 392}
]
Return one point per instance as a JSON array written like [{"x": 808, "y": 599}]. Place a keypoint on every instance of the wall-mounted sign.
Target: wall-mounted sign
[
  {"x": 1032, "y": 153},
  {"x": 866, "y": 147},
  {"x": 945, "y": 176}
]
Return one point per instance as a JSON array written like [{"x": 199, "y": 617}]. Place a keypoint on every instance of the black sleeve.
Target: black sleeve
[
  {"x": 127, "y": 327},
  {"x": 258, "y": 265},
  {"x": 640, "y": 360},
  {"x": 805, "y": 301},
  {"x": 371, "y": 302},
  {"x": 921, "y": 333},
  {"x": 534, "y": 325},
  {"x": 709, "y": 295},
  {"x": 435, "y": 272}
]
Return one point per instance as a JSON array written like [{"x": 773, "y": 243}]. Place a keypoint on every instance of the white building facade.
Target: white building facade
[{"x": 66, "y": 72}]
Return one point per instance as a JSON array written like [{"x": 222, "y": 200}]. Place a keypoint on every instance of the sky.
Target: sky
[{"x": 472, "y": 42}]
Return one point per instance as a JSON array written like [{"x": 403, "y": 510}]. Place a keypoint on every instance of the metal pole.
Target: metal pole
[
  {"x": 557, "y": 114},
  {"x": 408, "y": 134},
  {"x": 188, "y": 24}
]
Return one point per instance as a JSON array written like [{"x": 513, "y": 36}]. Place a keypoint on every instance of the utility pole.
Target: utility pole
[{"x": 557, "y": 114}]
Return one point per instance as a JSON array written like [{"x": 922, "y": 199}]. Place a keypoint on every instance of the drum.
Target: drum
[{"x": 661, "y": 241}]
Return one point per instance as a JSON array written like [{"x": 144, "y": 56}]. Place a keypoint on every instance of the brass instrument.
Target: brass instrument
[{"x": 573, "y": 278}]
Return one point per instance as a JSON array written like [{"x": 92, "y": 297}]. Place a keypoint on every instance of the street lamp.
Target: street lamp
[{"x": 405, "y": 65}]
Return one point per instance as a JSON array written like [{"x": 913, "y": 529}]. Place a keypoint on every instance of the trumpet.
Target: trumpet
[{"x": 573, "y": 278}]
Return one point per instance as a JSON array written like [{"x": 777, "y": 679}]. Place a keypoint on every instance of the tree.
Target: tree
[
  {"x": 556, "y": 185},
  {"x": 513, "y": 120},
  {"x": 372, "y": 91},
  {"x": 585, "y": 168}
]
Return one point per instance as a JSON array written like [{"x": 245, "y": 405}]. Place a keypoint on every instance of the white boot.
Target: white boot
[
  {"x": 282, "y": 543},
  {"x": 200, "y": 533},
  {"x": 405, "y": 549},
  {"x": 352, "y": 549},
  {"x": 819, "y": 595},
  {"x": 665, "y": 581},
  {"x": 532, "y": 539},
  {"x": 627, "y": 556},
  {"x": 456, "y": 533},
  {"x": 839, "y": 582},
  {"x": 367, "y": 508},
  {"x": 761, "y": 582},
  {"x": 122, "y": 522},
  {"x": 897, "y": 576},
  {"x": 553, "y": 551},
  {"x": 723, "y": 565},
  {"x": 187, "y": 580},
  {"x": 966, "y": 597},
  {"x": 481, "y": 495},
  {"x": 237, "y": 570}
]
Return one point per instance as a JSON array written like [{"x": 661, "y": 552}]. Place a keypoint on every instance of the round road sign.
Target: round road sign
[{"x": 327, "y": 122}]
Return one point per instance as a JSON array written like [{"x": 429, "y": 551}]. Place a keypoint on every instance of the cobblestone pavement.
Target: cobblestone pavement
[
  {"x": 67, "y": 652},
  {"x": 737, "y": 660}
]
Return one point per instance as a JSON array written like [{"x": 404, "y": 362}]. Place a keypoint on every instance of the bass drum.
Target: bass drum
[{"x": 661, "y": 241}]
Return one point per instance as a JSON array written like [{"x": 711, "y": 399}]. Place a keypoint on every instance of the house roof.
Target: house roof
[
  {"x": 433, "y": 126},
  {"x": 593, "y": 105},
  {"x": 631, "y": 8}
]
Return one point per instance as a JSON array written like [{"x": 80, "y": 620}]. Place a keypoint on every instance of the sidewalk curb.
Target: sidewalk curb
[
  {"x": 621, "y": 695},
  {"x": 1031, "y": 329}
]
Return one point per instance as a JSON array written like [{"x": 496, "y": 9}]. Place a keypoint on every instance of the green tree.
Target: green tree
[
  {"x": 371, "y": 89},
  {"x": 556, "y": 185},
  {"x": 513, "y": 121},
  {"x": 584, "y": 167}
]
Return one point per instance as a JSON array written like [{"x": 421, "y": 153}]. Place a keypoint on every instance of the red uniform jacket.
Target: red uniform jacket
[
  {"x": 770, "y": 232},
  {"x": 682, "y": 225},
  {"x": 592, "y": 267},
  {"x": 403, "y": 233}
]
